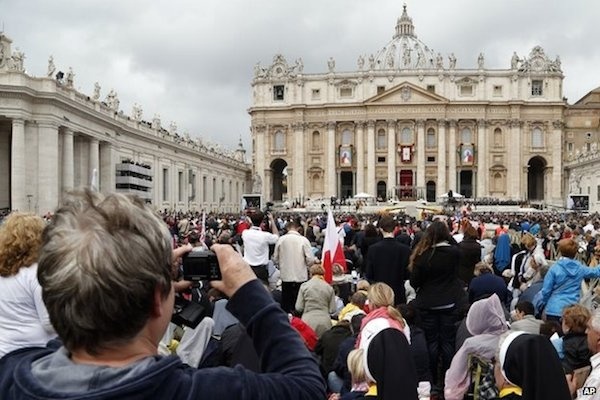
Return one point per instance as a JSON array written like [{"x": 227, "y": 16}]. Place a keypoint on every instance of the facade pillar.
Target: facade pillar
[
  {"x": 18, "y": 200},
  {"x": 94, "y": 166},
  {"x": 360, "y": 156},
  {"x": 556, "y": 140},
  {"x": 482, "y": 169},
  {"x": 391, "y": 157},
  {"x": 48, "y": 167},
  {"x": 68, "y": 164},
  {"x": 452, "y": 156},
  {"x": 331, "y": 161},
  {"x": 107, "y": 171},
  {"x": 299, "y": 168},
  {"x": 420, "y": 154},
  {"x": 441, "y": 158},
  {"x": 260, "y": 154},
  {"x": 514, "y": 162},
  {"x": 370, "y": 184}
]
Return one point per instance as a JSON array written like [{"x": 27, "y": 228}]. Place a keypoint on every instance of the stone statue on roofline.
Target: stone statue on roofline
[
  {"x": 70, "y": 78},
  {"x": 136, "y": 112},
  {"x": 156, "y": 122},
  {"x": 480, "y": 61},
  {"x": 51, "y": 67},
  {"x": 452, "y": 61},
  {"x": 331, "y": 64},
  {"x": 96, "y": 95},
  {"x": 514, "y": 61},
  {"x": 361, "y": 62}
]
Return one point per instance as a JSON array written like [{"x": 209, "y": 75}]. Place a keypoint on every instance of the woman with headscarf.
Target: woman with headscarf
[
  {"x": 24, "y": 320},
  {"x": 384, "y": 337},
  {"x": 486, "y": 322},
  {"x": 527, "y": 367},
  {"x": 502, "y": 253}
]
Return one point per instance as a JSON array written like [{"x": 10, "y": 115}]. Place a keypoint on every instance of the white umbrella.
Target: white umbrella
[{"x": 363, "y": 196}]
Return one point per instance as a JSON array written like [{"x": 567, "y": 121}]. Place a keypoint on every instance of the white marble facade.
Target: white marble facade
[
  {"x": 53, "y": 138},
  {"x": 409, "y": 122}
]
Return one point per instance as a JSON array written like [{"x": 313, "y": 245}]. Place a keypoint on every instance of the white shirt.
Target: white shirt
[
  {"x": 24, "y": 320},
  {"x": 293, "y": 255},
  {"x": 256, "y": 245},
  {"x": 592, "y": 381}
]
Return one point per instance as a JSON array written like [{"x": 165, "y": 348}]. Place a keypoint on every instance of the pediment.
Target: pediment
[{"x": 406, "y": 93}]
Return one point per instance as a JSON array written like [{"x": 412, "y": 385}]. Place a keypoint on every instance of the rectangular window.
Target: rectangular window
[
  {"x": 181, "y": 185},
  {"x": 537, "y": 138},
  {"x": 598, "y": 193},
  {"x": 537, "y": 87},
  {"x": 380, "y": 89},
  {"x": 431, "y": 88},
  {"x": 497, "y": 90},
  {"x": 278, "y": 92},
  {"x": 165, "y": 184},
  {"x": 204, "y": 190},
  {"x": 316, "y": 94},
  {"x": 380, "y": 159},
  {"x": 431, "y": 159},
  {"x": 346, "y": 92},
  {"x": 588, "y": 147},
  {"x": 381, "y": 140},
  {"x": 570, "y": 146},
  {"x": 466, "y": 90},
  {"x": 430, "y": 139}
]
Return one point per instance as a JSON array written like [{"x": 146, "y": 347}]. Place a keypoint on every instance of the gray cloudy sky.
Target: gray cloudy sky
[{"x": 192, "y": 61}]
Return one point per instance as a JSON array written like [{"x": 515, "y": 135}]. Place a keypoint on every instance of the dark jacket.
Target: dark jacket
[
  {"x": 328, "y": 345},
  {"x": 418, "y": 349},
  {"x": 487, "y": 284},
  {"x": 292, "y": 372},
  {"x": 340, "y": 366},
  {"x": 470, "y": 254},
  {"x": 435, "y": 278},
  {"x": 387, "y": 262},
  {"x": 576, "y": 351}
]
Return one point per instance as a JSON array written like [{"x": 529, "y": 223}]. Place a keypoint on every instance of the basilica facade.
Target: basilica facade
[
  {"x": 54, "y": 139},
  {"x": 407, "y": 123}
]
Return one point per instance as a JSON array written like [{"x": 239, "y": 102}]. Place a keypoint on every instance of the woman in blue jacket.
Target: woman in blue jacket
[{"x": 562, "y": 284}]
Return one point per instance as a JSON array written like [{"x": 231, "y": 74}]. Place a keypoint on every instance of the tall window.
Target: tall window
[
  {"x": 278, "y": 92},
  {"x": 406, "y": 135},
  {"x": 537, "y": 138},
  {"x": 381, "y": 139},
  {"x": 180, "y": 183},
  {"x": 466, "y": 135},
  {"x": 497, "y": 137},
  {"x": 165, "y": 184},
  {"x": 430, "y": 137},
  {"x": 346, "y": 137},
  {"x": 214, "y": 190},
  {"x": 279, "y": 141},
  {"x": 204, "y": 189},
  {"x": 316, "y": 140},
  {"x": 537, "y": 87}
]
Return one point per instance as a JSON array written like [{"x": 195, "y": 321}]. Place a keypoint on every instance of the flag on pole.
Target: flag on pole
[
  {"x": 333, "y": 253},
  {"x": 203, "y": 228}
]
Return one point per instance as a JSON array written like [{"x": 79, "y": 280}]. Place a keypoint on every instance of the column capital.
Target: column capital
[
  {"x": 297, "y": 126},
  {"x": 18, "y": 121},
  {"x": 360, "y": 124},
  {"x": 558, "y": 124},
  {"x": 67, "y": 131},
  {"x": 482, "y": 123},
  {"x": 391, "y": 123},
  {"x": 442, "y": 123},
  {"x": 331, "y": 125},
  {"x": 47, "y": 124},
  {"x": 371, "y": 124},
  {"x": 420, "y": 123},
  {"x": 515, "y": 123},
  {"x": 452, "y": 123},
  {"x": 260, "y": 128}
]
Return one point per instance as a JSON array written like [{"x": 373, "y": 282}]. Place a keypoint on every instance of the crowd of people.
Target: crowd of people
[{"x": 467, "y": 305}]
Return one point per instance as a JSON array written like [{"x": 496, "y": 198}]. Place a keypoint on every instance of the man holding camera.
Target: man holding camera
[
  {"x": 256, "y": 244},
  {"x": 104, "y": 269}
]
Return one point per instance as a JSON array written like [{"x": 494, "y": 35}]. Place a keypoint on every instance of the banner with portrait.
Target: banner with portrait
[
  {"x": 467, "y": 155},
  {"x": 405, "y": 153},
  {"x": 345, "y": 156}
]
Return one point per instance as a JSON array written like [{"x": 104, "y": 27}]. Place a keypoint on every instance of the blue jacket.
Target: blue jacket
[
  {"x": 562, "y": 285},
  {"x": 289, "y": 370}
]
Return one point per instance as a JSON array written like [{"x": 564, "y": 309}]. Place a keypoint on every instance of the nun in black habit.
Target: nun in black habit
[{"x": 528, "y": 368}]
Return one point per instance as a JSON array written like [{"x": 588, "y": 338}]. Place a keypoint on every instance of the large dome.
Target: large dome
[{"x": 405, "y": 51}]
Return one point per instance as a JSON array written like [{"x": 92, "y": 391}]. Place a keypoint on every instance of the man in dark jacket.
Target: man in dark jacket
[
  {"x": 104, "y": 268},
  {"x": 328, "y": 345},
  {"x": 387, "y": 260}
]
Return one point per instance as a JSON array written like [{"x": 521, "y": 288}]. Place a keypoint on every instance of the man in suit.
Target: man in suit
[{"x": 387, "y": 260}]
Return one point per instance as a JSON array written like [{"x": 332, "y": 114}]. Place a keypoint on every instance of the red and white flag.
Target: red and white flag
[{"x": 332, "y": 249}]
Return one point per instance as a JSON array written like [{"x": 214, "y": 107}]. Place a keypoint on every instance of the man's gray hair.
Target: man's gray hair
[
  {"x": 101, "y": 261},
  {"x": 595, "y": 320}
]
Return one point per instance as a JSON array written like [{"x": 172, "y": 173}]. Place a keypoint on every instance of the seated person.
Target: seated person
[
  {"x": 525, "y": 320},
  {"x": 104, "y": 269}
]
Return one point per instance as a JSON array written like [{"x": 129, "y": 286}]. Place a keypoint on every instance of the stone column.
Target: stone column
[
  {"x": 391, "y": 157},
  {"x": 94, "y": 164},
  {"x": 441, "y": 159},
  {"x": 331, "y": 162},
  {"x": 360, "y": 156},
  {"x": 108, "y": 169},
  {"x": 482, "y": 169},
  {"x": 48, "y": 167},
  {"x": 68, "y": 163},
  {"x": 260, "y": 155},
  {"x": 420, "y": 154},
  {"x": 18, "y": 199},
  {"x": 452, "y": 156},
  {"x": 513, "y": 169},
  {"x": 371, "y": 184},
  {"x": 299, "y": 165},
  {"x": 556, "y": 144}
]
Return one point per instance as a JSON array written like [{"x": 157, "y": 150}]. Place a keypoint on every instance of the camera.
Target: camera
[{"x": 201, "y": 265}]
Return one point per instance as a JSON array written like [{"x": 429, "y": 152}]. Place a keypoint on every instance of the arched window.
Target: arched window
[
  {"x": 498, "y": 137},
  {"x": 406, "y": 135},
  {"x": 346, "y": 137},
  {"x": 466, "y": 135},
  {"x": 537, "y": 138},
  {"x": 430, "y": 138},
  {"x": 279, "y": 140},
  {"x": 498, "y": 182},
  {"x": 381, "y": 139},
  {"x": 316, "y": 140}
]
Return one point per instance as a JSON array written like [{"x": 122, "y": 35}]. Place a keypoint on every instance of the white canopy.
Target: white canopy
[
  {"x": 454, "y": 194},
  {"x": 363, "y": 196}
]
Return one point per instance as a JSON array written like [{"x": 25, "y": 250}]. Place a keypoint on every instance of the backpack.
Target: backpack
[{"x": 483, "y": 385}]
